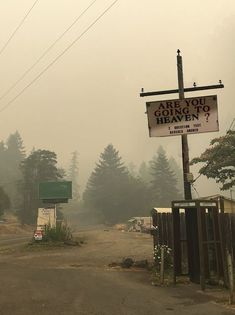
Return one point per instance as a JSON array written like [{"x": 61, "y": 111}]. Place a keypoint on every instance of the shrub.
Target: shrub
[
  {"x": 168, "y": 258},
  {"x": 60, "y": 233}
]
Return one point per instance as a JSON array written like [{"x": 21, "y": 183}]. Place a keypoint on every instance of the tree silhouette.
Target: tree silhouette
[
  {"x": 164, "y": 182},
  {"x": 219, "y": 160}
]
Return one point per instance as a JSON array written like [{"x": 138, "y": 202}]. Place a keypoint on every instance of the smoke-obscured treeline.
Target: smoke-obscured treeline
[{"x": 115, "y": 190}]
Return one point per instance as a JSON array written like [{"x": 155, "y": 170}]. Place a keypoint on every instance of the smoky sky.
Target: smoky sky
[{"x": 90, "y": 97}]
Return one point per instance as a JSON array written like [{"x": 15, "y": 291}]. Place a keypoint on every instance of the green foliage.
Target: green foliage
[
  {"x": 39, "y": 166},
  {"x": 60, "y": 233},
  {"x": 145, "y": 173},
  {"x": 177, "y": 170},
  {"x": 168, "y": 257},
  {"x": 112, "y": 192},
  {"x": 4, "y": 201},
  {"x": 11, "y": 155},
  {"x": 164, "y": 182},
  {"x": 219, "y": 160},
  {"x": 132, "y": 169}
]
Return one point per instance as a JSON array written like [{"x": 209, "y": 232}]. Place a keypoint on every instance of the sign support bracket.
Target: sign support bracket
[{"x": 191, "y": 89}]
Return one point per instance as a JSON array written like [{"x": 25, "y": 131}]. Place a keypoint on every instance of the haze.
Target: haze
[{"x": 90, "y": 97}]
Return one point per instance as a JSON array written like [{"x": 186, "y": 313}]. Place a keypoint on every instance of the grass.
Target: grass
[
  {"x": 60, "y": 233},
  {"x": 56, "y": 237}
]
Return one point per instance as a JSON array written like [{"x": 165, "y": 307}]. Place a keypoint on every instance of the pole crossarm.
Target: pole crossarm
[{"x": 191, "y": 89}]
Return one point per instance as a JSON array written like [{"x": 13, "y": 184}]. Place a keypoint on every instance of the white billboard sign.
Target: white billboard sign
[
  {"x": 186, "y": 116},
  {"x": 46, "y": 216}
]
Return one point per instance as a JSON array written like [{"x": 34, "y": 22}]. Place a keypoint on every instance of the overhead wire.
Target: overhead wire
[
  {"x": 59, "y": 56},
  {"x": 195, "y": 190},
  {"x": 46, "y": 51},
  {"x": 17, "y": 28},
  {"x": 232, "y": 126}
]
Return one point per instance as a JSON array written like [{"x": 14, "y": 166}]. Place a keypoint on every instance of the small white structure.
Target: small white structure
[
  {"x": 163, "y": 210},
  {"x": 139, "y": 224}
]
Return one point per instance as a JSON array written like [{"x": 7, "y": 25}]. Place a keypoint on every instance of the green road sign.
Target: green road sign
[{"x": 52, "y": 191}]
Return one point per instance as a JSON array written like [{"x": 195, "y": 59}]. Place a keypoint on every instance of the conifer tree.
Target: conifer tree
[
  {"x": 39, "y": 166},
  {"x": 164, "y": 182},
  {"x": 73, "y": 174},
  {"x": 113, "y": 192},
  {"x": 11, "y": 155},
  {"x": 4, "y": 201},
  {"x": 177, "y": 170},
  {"x": 144, "y": 173},
  {"x": 105, "y": 185}
]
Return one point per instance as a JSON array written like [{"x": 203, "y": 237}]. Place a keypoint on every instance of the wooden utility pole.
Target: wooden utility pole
[
  {"x": 190, "y": 214},
  {"x": 184, "y": 138}
]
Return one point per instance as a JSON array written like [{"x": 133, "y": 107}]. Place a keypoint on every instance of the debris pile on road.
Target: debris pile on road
[{"x": 128, "y": 262}]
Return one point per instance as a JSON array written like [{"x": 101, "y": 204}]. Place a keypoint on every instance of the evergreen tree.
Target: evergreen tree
[
  {"x": 73, "y": 174},
  {"x": 105, "y": 185},
  {"x": 177, "y": 170},
  {"x": 3, "y": 161},
  {"x": 132, "y": 169},
  {"x": 4, "y": 201},
  {"x": 164, "y": 182},
  {"x": 111, "y": 190},
  {"x": 145, "y": 173},
  {"x": 11, "y": 155},
  {"x": 39, "y": 166},
  {"x": 15, "y": 150}
]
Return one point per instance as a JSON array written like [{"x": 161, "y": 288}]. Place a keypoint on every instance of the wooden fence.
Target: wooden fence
[{"x": 213, "y": 239}]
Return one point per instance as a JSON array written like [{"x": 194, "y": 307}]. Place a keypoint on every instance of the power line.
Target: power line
[
  {"x": 18, "y": 27},
  {"x": 195, "y": 190},
  {"x": 45, "y": 52},
  {"x": 59, "y": 56},
  {"x": 232, "y": 126}
]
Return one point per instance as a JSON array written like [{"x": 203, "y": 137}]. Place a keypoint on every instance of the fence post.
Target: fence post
[
  {"x": 230, "y": 276},
  {"x": 229, "y": 254},
  {"x": 162, "y": 264}
]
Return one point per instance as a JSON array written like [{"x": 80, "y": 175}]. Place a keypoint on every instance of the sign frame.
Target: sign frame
[
  {"x": 55, "y": 192},
  {"x": 176, "y": 117}
]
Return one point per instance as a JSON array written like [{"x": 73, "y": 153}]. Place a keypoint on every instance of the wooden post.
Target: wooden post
[
  {"x": 229, "y": 254},
  {"x": 162, "y": 264},
  {"x": 184, "y": 139},
  {"x": 176, "y": 243},
  {"x": 230, "y": 276},
  {"x": 201, "y": 252},
  {"x": 222, "y": 229}
]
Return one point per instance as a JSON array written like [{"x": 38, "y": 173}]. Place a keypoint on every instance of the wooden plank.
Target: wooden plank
[
  {"x": 201, "y": 251},
  {"x": 159, "y": 241},
  {"x": 169, "y": 229},
  {"x": 176, "y": 243},
  {"x": 205, "y": 243}
]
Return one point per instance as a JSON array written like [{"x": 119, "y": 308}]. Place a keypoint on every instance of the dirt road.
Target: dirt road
[{"x": 77, "y": 280}]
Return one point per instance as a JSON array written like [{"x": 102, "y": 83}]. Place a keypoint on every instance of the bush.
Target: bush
[
  {"x": 168, "y": 257},
  {"x": 60, "y": 233}
]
